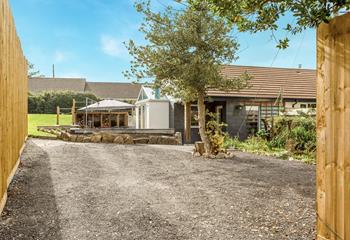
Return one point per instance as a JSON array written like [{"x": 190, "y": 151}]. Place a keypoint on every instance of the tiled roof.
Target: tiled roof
[
  {"x": 105, "y": 90},
  {"x": 269, "y": 82},
  {"x": 39, "y": 84},
  {"x": 114, "y": 90}
]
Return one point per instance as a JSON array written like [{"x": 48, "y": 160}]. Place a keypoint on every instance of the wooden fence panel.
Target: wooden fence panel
[
  {"x": 13, "y": 99},
  {"x": 333, "y": 129}
]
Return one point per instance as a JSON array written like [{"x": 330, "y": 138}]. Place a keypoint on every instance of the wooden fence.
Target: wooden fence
[
  {"x": 13, "y": 99},
  {"x": 333, "y": 129}
]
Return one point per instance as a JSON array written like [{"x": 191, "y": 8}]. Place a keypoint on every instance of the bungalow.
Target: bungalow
[{"x": 271, "y": 91}]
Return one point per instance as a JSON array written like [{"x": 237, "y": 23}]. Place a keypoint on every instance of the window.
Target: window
[
  {"x": 219, "y": 113},
  {"x": 311, "y": 105},
  {"x": 194, "y": 115}
]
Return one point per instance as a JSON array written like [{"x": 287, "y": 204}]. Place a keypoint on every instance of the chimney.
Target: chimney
[
  {"x": 53, "y": 70},
  {"x": 299, "y": 68},
  {"x": 157, "y": 93}
]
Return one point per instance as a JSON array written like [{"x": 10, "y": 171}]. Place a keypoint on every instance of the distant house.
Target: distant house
[
  {"x": 114, "y": 90},
  {"x": 41, "y": 84},
  {"x": 271, "y": 91},
  {"x": 103, "y": 90}
]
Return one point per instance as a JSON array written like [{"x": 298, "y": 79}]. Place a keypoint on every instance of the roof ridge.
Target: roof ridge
[
  {"x": 289, "y": 68},
  {"x": 116, "y": 82},
  {"x": 67, "y": 78}
]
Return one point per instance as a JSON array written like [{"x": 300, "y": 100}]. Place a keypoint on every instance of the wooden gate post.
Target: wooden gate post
[
  {"x": 73, "y": 112},
  {"x": 58, "y": 116},
  {"x": 333, "y": 129}
]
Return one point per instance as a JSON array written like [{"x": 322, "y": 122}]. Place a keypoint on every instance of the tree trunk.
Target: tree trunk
[{"x": 201, "y": 123}]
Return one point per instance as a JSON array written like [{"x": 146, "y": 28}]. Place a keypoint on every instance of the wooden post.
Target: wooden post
[
  {"x": 73, "y": 112},
  {"x": 58, "y": 116},
  {"x": 126, "y": 120},
  {"x": 333, "y": 131},
  {"x": 187, "y": 121},
  {"x": 93, "y": 120}
]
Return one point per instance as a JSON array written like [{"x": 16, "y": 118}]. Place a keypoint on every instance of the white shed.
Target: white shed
[{"x": 152, "y": 110}]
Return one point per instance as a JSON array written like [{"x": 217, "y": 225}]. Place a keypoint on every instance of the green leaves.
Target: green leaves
[
  {"x": 257, "y": 15},
  {"x": 184, "y": 51},
  {"x": 283, "y": 43}
]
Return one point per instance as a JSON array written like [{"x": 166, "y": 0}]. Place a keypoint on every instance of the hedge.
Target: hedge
[{"x": 47, "y": 102}]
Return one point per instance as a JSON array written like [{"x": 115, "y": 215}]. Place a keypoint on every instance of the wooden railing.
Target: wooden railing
[
  {"x": 13, "y": 99},
  {"x": 333, "y": 129}
]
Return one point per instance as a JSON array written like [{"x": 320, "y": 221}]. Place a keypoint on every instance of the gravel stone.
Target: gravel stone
[{"x": 67, "y": 190}]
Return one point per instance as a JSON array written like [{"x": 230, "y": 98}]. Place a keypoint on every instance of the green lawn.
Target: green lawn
[{"x": 35, "y": 120}]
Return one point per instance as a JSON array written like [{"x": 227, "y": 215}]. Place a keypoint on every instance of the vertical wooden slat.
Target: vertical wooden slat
[
  {"x": 13, "y": 98},
  {"x": 321, "y": 128},
  {"x": 333, "y": 131},
  {"x": 346, "y": 167}
]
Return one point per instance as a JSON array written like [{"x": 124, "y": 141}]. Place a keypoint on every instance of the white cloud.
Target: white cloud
[
  {"x": 112, "y": 46},
  {"x": 60, "y": 56}
]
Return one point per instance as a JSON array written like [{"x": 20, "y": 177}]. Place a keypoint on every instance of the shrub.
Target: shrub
[
  {"x": 297, "y": 133},
  {"x": 289, "y": 137},
  {"x": 215, "y": 134},
  {"x": 46, "y": 102},
  {"x": 262, "y": 133}
]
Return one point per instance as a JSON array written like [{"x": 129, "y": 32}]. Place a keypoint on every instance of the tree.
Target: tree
[
  {"x": 184, "y": 53},
  {"x": 31, "y": 70},
  {"x": 258, "y": 15}
]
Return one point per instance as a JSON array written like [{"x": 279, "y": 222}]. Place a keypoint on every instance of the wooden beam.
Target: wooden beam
[
  {"x": 126, "y": 120},
  {"x": 187, "y": 122},
  {"x": 93, "y": 121}
]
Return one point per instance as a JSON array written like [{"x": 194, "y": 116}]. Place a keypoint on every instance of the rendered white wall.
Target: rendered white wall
[
  {"x": 153, "y": 115},
  {"x": 158, "y": 115},
  {"x": 137, "y": 116}
]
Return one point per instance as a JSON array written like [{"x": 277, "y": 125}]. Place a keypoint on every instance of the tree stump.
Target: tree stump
[{"x": 199, "y": 148}]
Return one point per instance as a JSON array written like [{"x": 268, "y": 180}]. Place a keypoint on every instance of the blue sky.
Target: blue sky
[{"x": 83, "y": 38}]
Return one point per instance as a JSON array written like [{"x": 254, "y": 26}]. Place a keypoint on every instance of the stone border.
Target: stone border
[{"x": 116, "y": 138}]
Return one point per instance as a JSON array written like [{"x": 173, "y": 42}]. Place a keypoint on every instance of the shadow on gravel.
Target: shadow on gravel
[
  {"x": 265, "y": 172},
  {"x": 31, "y": 211}
]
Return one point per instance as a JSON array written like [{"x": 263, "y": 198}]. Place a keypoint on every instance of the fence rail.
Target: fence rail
[
  {"x": 333, "y": 129},
  {"x": 13, "y": 99}
]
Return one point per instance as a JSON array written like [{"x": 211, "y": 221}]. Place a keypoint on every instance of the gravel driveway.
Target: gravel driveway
[{"x": 105, "y": 191}]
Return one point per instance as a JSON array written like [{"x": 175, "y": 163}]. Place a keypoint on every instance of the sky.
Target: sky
[{"x": 84, "y": 38}]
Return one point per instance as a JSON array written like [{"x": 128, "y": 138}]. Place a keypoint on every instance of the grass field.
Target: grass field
[{"x": 35, "y": 120}]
